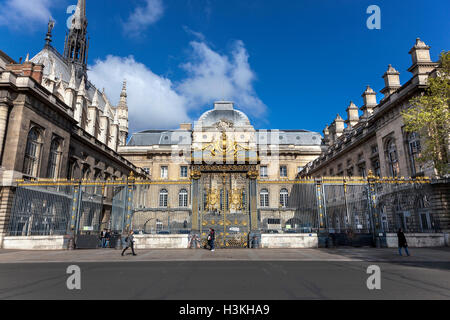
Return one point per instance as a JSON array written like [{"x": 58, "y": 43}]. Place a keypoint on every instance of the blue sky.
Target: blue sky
[{"x": 289, "y": 64}]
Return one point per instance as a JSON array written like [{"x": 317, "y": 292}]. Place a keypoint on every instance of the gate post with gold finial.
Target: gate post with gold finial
[
  {"x": 195, "y": 177},
  {"x": 371, "y": 195},
  {"x": 253, "y": 175},
  {"x": 129, "y": 201}
]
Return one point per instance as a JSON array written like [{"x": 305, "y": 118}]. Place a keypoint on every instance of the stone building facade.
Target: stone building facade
[
  {"x": 54, "y": 123},
  {"x": 376, "y": 141},
  {"x": 223, "y": 149}
]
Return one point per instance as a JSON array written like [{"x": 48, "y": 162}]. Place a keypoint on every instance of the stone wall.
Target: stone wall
[
  {"x": 440, "y": 203},
  {"x": 298, "y": 240},
  {"x": 35, "y": 243},
  {"x": 6, "y": 201},
  {"x": 417, "y": 240},
  {"x": 161, "y": 241}
]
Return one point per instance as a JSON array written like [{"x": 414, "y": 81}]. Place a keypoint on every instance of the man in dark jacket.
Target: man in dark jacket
[
  {"x": 103, "y": 238},
  {"x": 402, "y": 242},
  {"x": 108, "y": 238},
  {"x": 129, "y": 243},
  {"x": 211, "y": 238}
]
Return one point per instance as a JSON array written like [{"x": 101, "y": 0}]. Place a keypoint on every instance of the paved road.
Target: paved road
[{"x": 263, "y": 274}]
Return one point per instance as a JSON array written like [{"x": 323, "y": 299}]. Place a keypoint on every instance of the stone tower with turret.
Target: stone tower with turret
[{"x": 122, "y": 116}]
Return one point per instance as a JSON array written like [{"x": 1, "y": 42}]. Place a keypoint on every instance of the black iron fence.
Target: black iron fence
[
  {"x": 354, "y": 206},
  {"x": 346, "y": 207}
]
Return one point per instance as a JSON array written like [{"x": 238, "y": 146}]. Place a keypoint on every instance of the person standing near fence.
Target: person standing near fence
[
  {"x": 211, "y": 238},
  {"x": 108, "y": 238},
  {"x": 402, "y": 242},
  {"x": 129, "y": 241},
  {"x": 103, "y": 238}
]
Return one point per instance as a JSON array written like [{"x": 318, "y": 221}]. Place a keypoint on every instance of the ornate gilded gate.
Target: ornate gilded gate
[{"x": 224, "y": 207}]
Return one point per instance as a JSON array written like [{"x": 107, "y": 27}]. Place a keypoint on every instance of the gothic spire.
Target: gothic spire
[
  {"x": 95, "y": 99},
  {"x": 76, "y": 46},
  {"x": 72, "y": 82},
  {"x": 123, "y": 95},
  {"x": 80, "y": 15},
  {"x": 82, "y": 88}
]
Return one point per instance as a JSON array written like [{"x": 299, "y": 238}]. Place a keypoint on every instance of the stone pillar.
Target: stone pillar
[
  {"x": 196, "y": 196},
  {"x": 6, "y": 203},
  {"x": 252, "y": 175},
  {"x": 4, "y": 109}
]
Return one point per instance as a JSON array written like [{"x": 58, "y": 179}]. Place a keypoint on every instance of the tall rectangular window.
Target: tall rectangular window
[
  {"x": 32, "y": 152},
  {"x": 376, "y": 167},
  {"x": 183, "y": 171},
  {"x": 263, "y": 171},
  {"x": 264, "y": 198},
  {"x": 164, "y": 172},
  {"x": 54, "y": 158},
  {"x": 283, "y": 172},
  {"x": 362, "y": 170}
]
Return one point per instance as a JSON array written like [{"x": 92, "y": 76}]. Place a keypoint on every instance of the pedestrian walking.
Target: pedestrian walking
[
  {"x": 103, "y": 238},
  {"x": 129, "y": 243},
  {"x": 211, "y": 238},
  {"x": 402, "y": 242},
  {"x": 108, "y": 238}
]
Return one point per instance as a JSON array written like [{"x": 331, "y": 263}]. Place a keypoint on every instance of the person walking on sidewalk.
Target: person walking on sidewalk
[
  {"x": 129, "y": 243},
  {"x": 103, "y": 238},
  {"x": 108, "y": 238},
  {"x": 402, "y": 242},
  {"x": 211, "y": 238}
]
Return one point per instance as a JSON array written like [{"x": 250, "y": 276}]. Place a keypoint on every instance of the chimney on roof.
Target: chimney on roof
[
  {"x": 370, "y": 102},
  {"x": 326, "y": 135},
  {"x": 27, "y": 69},
  {"x": 391, "y": 81},
  {"x": 352, "y": 115},
  {"x": 421, "y": 62}
]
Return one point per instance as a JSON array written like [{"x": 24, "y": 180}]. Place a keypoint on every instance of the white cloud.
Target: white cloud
[
  {"x": 196, "y": 34},
  {"x": 212, "y": 76},
  {"x": 152, "y": 100},
  {"x": 144, "y": 16},
  {"x": 17, "y": 13},
  {"x": 155, "y": 102}
]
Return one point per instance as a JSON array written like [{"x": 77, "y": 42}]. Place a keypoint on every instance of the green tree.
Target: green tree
[{"x": 429, "y": 117}]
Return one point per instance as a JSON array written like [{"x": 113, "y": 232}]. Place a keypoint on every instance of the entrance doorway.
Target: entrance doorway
[{"x": 225, "y": 207}]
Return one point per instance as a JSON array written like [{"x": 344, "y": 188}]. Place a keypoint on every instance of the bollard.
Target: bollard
[
  {"x": 71, "y": 244},
  {"x": 377, "y": 242},
  {"x": 119, "y": 243}
]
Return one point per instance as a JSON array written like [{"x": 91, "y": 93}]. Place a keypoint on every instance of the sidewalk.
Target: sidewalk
[{"x": 340, "y": 254}]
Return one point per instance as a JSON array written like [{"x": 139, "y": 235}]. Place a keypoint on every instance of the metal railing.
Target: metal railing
[{"x": 325, "y": 205}]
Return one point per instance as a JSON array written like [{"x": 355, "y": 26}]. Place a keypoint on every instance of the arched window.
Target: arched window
[
  {"x": 163, "y": 198},
  {"x": 264, "y": 198},
  {"x": 54, "y": 158},
  {"x": 414, "y": 151},
  {"x": 32, "y": 152},
  {"x": 392, "y": 158},
  {"x": 284, "y": 195},
  {"x": 183, "y": 198}
]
